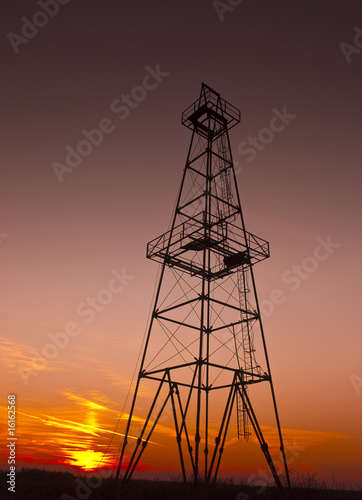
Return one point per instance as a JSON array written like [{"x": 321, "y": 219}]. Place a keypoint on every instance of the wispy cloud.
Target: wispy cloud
[
  {"x": 13, "y": 355},
  {"x": 304, "y": 438},
  {"x": 79, "y": 433},
  {"x": 86, "y": 402},
  {"x": 294, "y": 438}
]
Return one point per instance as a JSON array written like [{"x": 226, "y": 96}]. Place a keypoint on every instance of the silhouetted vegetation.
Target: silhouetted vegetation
[{"x": 35, "y": 484}]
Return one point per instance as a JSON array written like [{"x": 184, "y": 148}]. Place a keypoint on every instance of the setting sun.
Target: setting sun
[{"x": 85, "y": 460}]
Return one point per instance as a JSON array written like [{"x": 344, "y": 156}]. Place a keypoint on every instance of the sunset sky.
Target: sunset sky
[{"x": 74, "y": 225}]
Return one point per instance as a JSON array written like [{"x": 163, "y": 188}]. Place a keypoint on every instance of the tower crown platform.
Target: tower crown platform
[{"x": 209, "y": 115}]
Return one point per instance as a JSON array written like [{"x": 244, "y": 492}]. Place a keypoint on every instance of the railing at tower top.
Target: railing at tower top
[
  {"x": 210, "y": 115},
  {"x": 179, "y": 247}
]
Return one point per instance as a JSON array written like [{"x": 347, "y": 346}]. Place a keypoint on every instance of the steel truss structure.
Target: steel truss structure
[{"x": 205, "y": 329}]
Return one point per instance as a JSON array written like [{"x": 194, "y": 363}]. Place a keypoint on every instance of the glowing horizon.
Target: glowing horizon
[{"x": 84, "y": 445}]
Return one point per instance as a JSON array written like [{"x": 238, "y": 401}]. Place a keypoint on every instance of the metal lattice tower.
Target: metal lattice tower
[{"x": 205, "y": 330}]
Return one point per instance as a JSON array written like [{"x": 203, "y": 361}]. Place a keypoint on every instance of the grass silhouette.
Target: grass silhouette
[{"x": 36, "y": 484}]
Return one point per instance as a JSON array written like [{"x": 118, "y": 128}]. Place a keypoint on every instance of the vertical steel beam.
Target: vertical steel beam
[{"x": 174, "y": 388}]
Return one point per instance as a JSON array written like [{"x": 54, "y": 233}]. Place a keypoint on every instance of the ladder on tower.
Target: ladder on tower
[
  {"x": 243, "y": 424},
  {"x": 246, "y": 334},
  {"x": 249, "y": 363},
  {"x": 224, "y": 169}
]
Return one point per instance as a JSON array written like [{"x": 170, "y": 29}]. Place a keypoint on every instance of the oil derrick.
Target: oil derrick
[{"x": 205, "y": 349}]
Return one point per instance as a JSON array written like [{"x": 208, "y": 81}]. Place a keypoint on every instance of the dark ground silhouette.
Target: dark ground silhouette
[{"x": 35, "y": 484}]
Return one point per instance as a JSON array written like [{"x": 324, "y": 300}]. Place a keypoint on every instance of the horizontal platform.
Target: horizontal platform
[
  {"x": 228, "y": 243},
  {"x": 241, "y": 377}
]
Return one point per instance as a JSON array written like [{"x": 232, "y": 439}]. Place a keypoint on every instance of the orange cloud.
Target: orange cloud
[
  {"x": 55, "y": 436},
  {"x": 85, "y": 402},
  {"x": 14, "y": 355}
]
